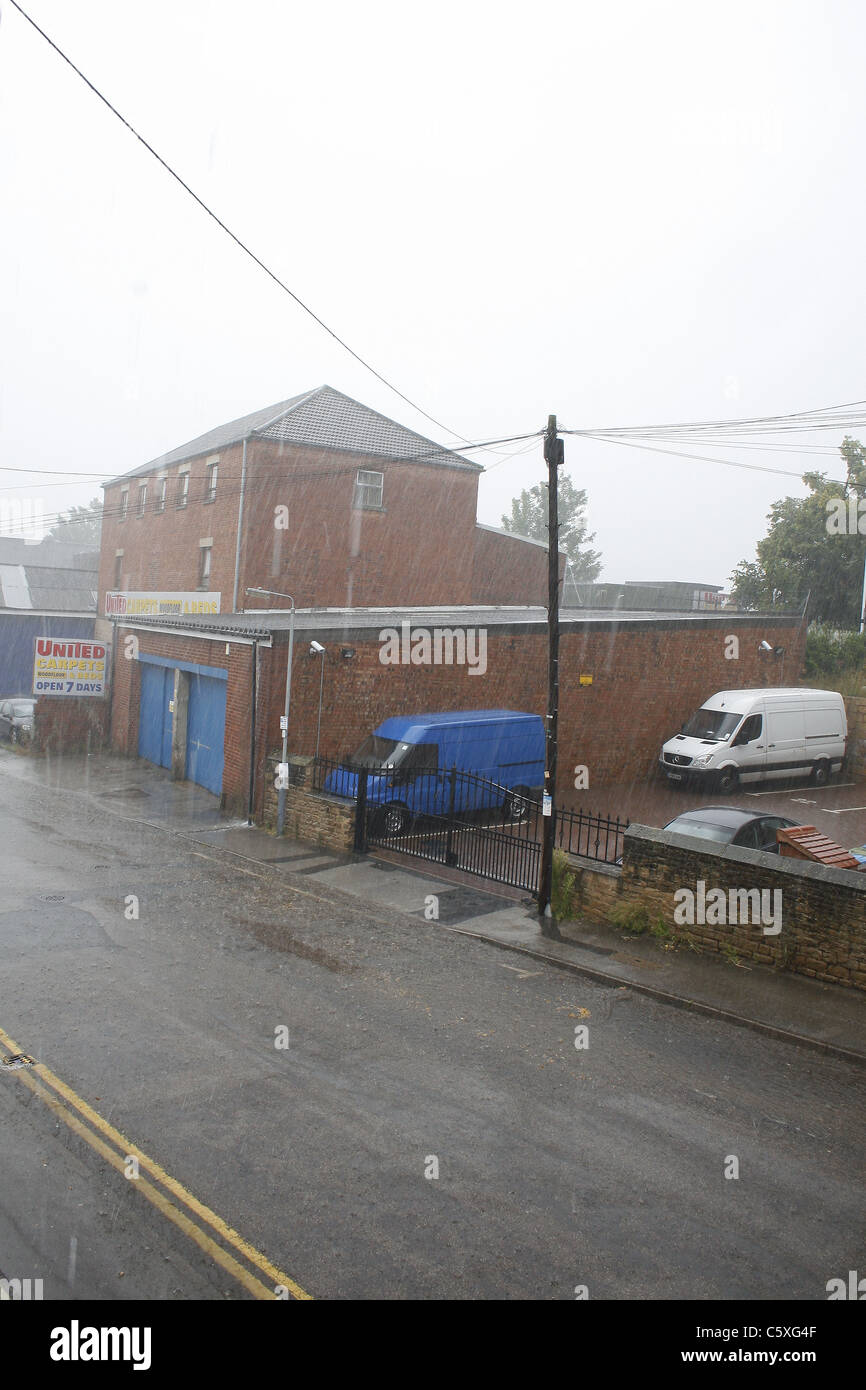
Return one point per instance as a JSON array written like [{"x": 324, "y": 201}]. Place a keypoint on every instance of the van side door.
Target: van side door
[
  {"x": 786, "y": 741},
  {"x": 750, "y": 748}
]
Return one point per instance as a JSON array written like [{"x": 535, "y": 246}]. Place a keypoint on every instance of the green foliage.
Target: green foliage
[
  {"x": 529, "y": 518},
  {"x": 631, "y": 917},
  {"x": 800, "y": 557},
  {"x": 831, "y": 653},
  {"x": 80, "y": 526},
  {"x": 564, "y": 895}
]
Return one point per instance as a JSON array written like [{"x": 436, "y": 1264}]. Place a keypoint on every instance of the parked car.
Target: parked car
[
  {"x": 725, "y": 825},
  {"x": 498, "y": 754},
  {"x": 753, "y": 735},
  {"x": 16, "y": 719}
]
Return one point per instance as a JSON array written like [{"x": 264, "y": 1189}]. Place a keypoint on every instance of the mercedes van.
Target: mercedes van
[
  {"x": 498, "y": 754},
  {"x": 757, "y": 735}
]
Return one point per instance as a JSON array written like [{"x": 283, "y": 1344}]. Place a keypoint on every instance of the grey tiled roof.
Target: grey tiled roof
[{"x": 324, "y": 418}]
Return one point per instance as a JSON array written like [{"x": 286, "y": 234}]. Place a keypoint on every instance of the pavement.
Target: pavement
[{"x": 825, "y": 1017}]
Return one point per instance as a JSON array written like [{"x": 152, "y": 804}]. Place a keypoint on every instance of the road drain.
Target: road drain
[
  {"x": 52, "y": 897},
  {"x": 18, "y": 1060}
]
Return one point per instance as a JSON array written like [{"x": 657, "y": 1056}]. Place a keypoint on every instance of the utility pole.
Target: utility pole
[{"x": 554, "y": 454}]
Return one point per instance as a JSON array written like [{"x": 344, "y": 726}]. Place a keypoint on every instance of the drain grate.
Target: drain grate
[
  {"x": 18, "y": 1060},
  {"x": 52, "y": 897}
]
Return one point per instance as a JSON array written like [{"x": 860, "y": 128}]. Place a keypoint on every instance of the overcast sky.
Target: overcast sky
[{"x": 623, "y": 213}]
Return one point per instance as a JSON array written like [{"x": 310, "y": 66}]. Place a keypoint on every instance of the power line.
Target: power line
[
  {"x": 229, "y": 483},
  {"x": 699, "y": 458},
  {"x": 236, "y": 239},
  {"x": 822, "y": 417}
]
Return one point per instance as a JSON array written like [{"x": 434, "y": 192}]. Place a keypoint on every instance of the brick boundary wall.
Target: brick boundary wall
[
  {"x": 70, "y": 725},
  {"x": 855, "y": 708},
  {"x": 823, "y": 933}
]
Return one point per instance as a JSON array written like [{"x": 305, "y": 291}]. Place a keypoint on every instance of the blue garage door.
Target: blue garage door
[
  {"x": 154, "y": 717},
  {"x": 205, "y": 732}
]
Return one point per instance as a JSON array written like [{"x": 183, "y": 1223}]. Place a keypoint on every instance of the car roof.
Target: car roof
[{"x": 720, "y": 815}]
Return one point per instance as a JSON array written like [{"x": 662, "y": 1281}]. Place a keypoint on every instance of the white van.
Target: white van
[{"x": 753, "y": 735}]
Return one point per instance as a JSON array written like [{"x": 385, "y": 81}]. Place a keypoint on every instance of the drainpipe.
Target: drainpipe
[
  {"x": 254, "y": 684},
  {"x": 240, "y": 528}
]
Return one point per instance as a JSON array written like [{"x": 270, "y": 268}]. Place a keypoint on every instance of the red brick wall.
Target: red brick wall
[
  {"x": 237, "y": 661},
  {"x": 70, "y": 726},
  {"x": 507, "y": 570},
  {"x": 161, "y": 549},
  {"x": 647, "y": 679},
  {"x": 417, "y": 550}
]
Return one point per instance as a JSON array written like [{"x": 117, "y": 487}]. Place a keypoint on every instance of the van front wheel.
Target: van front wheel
[
  {"x": 390, "y": 820},
  {"x": 516, "y": 805},
  {"x": 821, "y": 773},
  {"x": 728, "y": 780}
]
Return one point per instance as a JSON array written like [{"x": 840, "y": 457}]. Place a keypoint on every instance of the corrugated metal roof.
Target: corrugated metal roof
[
  {"x": 40, "y": 588},
  {"x": 324, "y": 418},
  {"x": 261, "y": 622}
]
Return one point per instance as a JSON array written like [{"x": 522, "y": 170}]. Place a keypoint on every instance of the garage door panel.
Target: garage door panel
[
  {"x": 154, "y": 714},
  {"x": 205, "y": 735}
]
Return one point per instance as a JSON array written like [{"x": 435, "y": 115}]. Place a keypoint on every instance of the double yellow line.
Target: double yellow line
[{"x": 116, "y": 1149}]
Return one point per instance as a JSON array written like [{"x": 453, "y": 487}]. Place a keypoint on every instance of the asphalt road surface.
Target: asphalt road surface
[{"x": 164, "y": 1145}]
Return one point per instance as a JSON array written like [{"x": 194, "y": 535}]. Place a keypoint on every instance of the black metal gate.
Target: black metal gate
[{"x": 467, "y": 822}]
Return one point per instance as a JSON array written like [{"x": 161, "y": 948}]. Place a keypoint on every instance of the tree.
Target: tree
[
  {"x": 529, "y": 518},
  {"x": 815, "y": 546},
  {"x": 80, "y": 527}
]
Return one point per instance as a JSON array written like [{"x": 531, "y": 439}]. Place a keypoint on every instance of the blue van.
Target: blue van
[{"x": 410, "y": 758}]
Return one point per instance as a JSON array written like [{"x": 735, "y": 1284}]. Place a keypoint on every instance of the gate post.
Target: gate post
[
  {"x": 360, "y": 845},
  {"x": 450, "y": 856}
]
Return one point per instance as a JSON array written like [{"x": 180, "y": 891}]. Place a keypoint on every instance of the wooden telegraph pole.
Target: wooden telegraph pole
[{"x": 554, "y": 454}]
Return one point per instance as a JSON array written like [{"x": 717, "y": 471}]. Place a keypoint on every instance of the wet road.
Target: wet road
[{"x": 154, "y": 980}]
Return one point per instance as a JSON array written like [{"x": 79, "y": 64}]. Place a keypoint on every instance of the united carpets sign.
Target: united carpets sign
[
  {"x": 172, "y": 604},
  {"x": 63, "y": 667}
]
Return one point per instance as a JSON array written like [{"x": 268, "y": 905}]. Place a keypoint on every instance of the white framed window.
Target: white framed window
[
  {"x": 124, "y": 503},
  {"x": 142, "y": 498},
  {"x": 159, "y": 494},
  {"x": 369, "y": 489},
  {"x": 118, "y": 569},
  {"x": 182, "y": 488},
  {"x": 204, "y": 558},
  {"x": 210, "y": 481}
]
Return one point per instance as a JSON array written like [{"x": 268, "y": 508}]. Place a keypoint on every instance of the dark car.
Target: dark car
[
  {"x": 725, "y": 825},
  {"x": 16, "y": 719}
]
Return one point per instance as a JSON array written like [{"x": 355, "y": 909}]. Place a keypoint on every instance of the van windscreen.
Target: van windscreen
[
  {"x": 378, "y": 752},
  {"x": 714, "y": 724}
]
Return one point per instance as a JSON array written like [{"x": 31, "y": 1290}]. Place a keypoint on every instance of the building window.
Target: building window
[
  {"x": 124, "y": 503},
  {"x": 142, "y": 498},
  {"x": 204, "y": 555},
  {"x": 118, "y": 570},
  {"x": 159, "y": 497},
  {"x": 368, "y": 490},
  {"x": 211, "y": 482},
  {"x": 183, "y": 488}
]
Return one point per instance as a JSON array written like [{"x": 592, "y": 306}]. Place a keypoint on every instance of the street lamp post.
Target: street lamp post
[
  {"x": 281, "y": 791},
  {"x": 316, "y": 649}
]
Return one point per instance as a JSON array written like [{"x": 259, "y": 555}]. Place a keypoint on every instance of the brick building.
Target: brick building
[
  {"x": 225, "y": 677},
  {"x": 319, "y": 497}
]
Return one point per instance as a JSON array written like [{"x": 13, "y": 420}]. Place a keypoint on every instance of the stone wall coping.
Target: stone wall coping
[{"x": 734, "y": 854}]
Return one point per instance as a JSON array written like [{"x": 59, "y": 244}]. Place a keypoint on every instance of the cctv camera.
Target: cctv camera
[
  {"x": 315, "y": 648},
  {"x": 765, "y": 647}
]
